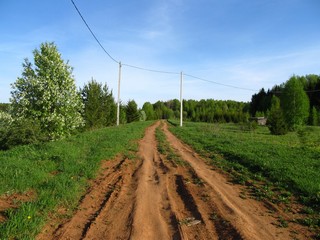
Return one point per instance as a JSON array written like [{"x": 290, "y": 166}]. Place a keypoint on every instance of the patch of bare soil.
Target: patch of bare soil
[
  {"x": 153, "y": 198},
  {"x": 13, "y": 201}
]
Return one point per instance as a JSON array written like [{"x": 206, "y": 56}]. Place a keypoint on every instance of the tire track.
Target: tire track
[
  {"x": 153, "y": 197},
  {"x": 234, "y": 217}
]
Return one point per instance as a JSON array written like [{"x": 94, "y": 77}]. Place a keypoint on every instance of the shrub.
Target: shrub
[{"x": 21, "y": 132}]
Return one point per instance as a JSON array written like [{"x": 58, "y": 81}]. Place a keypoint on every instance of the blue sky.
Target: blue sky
[{"x": 248, "y": 44}]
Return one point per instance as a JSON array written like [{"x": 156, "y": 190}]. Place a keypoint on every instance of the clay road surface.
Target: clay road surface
[{"x": 151, "y": 197}]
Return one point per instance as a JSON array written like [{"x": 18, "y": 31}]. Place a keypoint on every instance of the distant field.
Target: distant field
[
  {"x": 55, "y": 174},
  {"x": 292, "y": 161}
]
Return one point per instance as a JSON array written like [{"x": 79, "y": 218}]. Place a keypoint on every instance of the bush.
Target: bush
[
  {"x": 276, "y": 123},
  {"x": 20, "y": 132}
]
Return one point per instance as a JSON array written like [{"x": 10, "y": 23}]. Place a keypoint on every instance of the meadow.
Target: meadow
[
  {"x": 55, "y": 174},
  {"x": 289, "y": 163}
]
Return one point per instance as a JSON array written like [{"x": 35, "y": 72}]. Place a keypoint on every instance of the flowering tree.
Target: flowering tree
[{"x": 46, "y": 92}]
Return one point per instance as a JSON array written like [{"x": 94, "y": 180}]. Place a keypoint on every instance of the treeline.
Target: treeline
[
  {"x": 289, "y": 106},
  {"x": 199, "y": 111},
  {"x": 45, "y": 104},
  {"x": 261, "y": 102}
]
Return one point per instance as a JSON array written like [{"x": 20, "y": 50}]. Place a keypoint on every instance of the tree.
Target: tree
[
  {"x": 99, "y": 105},
  {"x": 313, "y": 119},
  {"x": 123, "y": 114},
  {"x": 260, "y": 102},
  {"x": 295, "y": 103},
  {"x": 148, "y": 109},
  {"x": 132, "y": 111},
  {"x": 47, "y": 92},
  {"x": 276, "y": 122}
]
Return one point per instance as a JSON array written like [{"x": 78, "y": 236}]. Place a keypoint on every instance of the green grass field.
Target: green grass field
[
  {"x": 57, "y": 173},
  {"x": 290, "y": 162}
]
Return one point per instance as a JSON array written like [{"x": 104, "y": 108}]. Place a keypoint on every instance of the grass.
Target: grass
[
  {"x": 290, "y": 162},
  {"x": 58, "y": 173},
  {"x": 164, "y": 148}
]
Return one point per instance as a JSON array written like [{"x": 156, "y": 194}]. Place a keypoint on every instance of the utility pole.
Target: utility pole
[
  {"x": 118, "y": 107},
  {"x": 181, "y": 105}
]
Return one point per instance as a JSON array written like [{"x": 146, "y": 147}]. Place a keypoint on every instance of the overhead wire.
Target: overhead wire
[
  {"x": 93, "y": 33},
  {"x": 147, "y": 69},
  {"x": 217, "y": 83}
]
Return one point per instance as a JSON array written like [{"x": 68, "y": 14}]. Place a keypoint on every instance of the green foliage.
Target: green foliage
[
  {"x": 57, "y": 172},
  {"x": 132, "y": 111},
  {"x": 148, "y": 109},
  {"x": 5, "y": 119},
  {"x": 123, "y": 114},
  {"x": 313, "y": 118},
  {"x": 249, "y": 126},
  {"x": 295, "y": 103},
  {"x": 260, "y": 103},
  {"x": 276, "y": 122},
  {"x": 99, "y": 105},
  {"x": 200, "y": 111},
  {"x": 309, "y": 138},
  {"x": 259, "y": 114},
  {"x": 47, "y": 92},
  {"x": 4, "y": 107},
  {"x": 165, "y": 149},
  {"x": 21, "y": 132},
  {"x": 279, "y": 158},
  {"x": 143, "y": 116}
]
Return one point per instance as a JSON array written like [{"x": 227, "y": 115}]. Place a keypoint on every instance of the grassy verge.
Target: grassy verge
[
  {"x": 57, "y": 174},
  {"x": 165, "y": 149},
  {"x": 283, "y": 160}
]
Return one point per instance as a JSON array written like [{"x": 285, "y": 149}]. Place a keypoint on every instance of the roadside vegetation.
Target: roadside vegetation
[
  {"x": 47, "y": 176},
  {"x": 53, "y": 136},
  {"x": 286, "y": 165},
  {"x": 164, "y": 148}
]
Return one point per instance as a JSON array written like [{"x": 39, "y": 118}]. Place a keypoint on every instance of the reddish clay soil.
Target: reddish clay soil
[
  {"x": 151, "y": 197},
  {"x": 12, "y": 201}
]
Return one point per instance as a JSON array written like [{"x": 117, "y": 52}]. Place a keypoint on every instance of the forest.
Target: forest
[{"x": 261, "y": 102}]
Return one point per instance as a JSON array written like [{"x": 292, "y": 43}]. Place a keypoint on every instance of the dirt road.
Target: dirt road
[{"x": 152, "y": 197}]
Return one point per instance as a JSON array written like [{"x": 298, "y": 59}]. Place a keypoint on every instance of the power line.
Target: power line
[
  {"x": 147, "y": 69},
  {"x": 150, "y": 70},
  {"x": 93, "y": 33},
  {"x": 226, "y": 85}
]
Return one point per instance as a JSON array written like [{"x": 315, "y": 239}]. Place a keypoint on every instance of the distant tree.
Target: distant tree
[
  {"x": 313, "y": 90},
  {"x": 123, "y": 113},
  {"x": 313, "y": 119},
  {"x": 22, "y": 131},
  {"x": 276, "y": 122},
  {"x": 47, "y": 93},
  {"x": 132, "y": 111},
  {"x": 295, "y": 103},
  {"x": 149, "y": 111},
  {"x": 142, "y": 115},
  {"x": 160, "y": 110},
  {"x": 260, "y": 102},
  {"x": 99, "y": 105}
]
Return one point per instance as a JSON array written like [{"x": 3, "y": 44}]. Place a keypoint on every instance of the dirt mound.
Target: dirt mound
[{"x": 154, "y": 198}]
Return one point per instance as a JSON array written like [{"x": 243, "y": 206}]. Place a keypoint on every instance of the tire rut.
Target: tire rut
[
  {"x": 154, "y": 197},
  {"x": 233, "y": 217}
]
